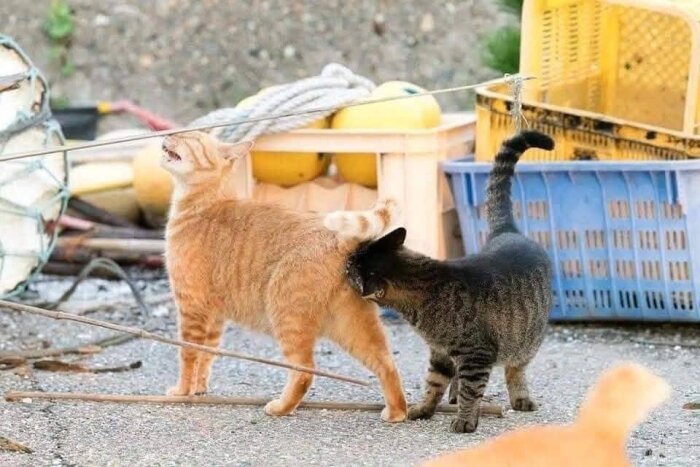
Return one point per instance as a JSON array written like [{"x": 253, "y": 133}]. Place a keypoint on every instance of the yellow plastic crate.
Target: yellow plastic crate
[
  {"x": 637, "y": 60},
  {"x": 579, "y": 134}
]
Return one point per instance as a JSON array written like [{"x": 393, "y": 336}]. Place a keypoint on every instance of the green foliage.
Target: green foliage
[
  {"x": 502, "y": 47},
  {"x": 59, "y": 24},
  {"x": 502, "y": 50},
  {"x": 59, "y": 102},
  {"x": 68, "y": 67},
  {"x": 512, "y": 6}
]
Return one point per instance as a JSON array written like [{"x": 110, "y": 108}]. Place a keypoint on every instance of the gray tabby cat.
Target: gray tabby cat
[{"x": 487, "y": 309}]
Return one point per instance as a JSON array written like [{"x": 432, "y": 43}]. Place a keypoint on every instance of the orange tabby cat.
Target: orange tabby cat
[
  {"x": 270, "y": 269},
  {"x": 620, "y": 400}
]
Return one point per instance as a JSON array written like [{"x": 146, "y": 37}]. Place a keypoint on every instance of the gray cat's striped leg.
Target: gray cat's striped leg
[
  {"x": 517, "y": 388},
  {"x": 473, "y": 371},
  {"x": 454, "y": 389},
  {"x": 439, "y": 376}
]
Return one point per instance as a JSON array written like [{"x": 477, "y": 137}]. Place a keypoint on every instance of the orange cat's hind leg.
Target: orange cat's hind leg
[
  {"x": 206, "y": 360},
  {"x": 356, "y": 327},
  {"x": 518, "y": 391},
  {"x": 194, "y": 327},
  {"x": 296, "y": 334}
]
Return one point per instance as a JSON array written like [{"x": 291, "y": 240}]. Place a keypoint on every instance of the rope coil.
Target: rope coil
[{"x": 335, "y": 87}]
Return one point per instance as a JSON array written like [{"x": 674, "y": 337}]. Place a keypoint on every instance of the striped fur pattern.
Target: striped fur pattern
[
  {"x": 487, "y": 309},
  {"x": 499, "y": 207},
  {"x": 619, "y": 401},
  {"x": 270, "y": 269},
  {"x": 363, "y": 225}
]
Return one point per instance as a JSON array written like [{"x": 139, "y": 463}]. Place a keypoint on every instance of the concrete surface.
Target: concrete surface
[{"x": 110, "y": 434}]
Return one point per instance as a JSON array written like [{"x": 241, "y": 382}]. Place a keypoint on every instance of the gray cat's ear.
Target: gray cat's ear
[
  {"x": 391, "y": 241},
  {"x": 233, "y": 151}
]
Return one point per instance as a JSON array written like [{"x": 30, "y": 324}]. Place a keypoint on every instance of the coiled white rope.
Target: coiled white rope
[{"x": 335, "y": 87}]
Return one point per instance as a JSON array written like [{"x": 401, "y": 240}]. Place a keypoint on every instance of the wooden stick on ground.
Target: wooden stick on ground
[
  {"x": 7, "y": 444},
  {"x": 95, "y": 213},
  {"x": 126, "y": 245},
  {"x": 59, "y": 351},
  {"x": 14, "y": 396},
  {"x": 98, "y": 230},
  {"x": 166, "y": 340}
]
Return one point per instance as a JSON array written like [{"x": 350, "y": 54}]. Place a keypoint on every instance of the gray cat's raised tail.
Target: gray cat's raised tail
[{"x": 499, "y": 207}]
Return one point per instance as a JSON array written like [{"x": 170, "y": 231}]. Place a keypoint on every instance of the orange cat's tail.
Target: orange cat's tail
[
  {"x": 363, "y": 225},
  {"x": 622, "y": 398}
]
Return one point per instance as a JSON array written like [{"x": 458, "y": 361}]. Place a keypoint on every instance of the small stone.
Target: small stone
[
  {"x": 161, "y": 311},
  {"x": 145, "y": 61},
  {"x": 289, "y": 51},
  {"x": 101, "y": 20},
  {"x": 379, "y": 24},
  {"x": 427, "y": 23}
]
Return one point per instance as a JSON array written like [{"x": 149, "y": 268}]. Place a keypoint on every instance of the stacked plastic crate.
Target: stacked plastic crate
[{"x": 618, "y": 87}]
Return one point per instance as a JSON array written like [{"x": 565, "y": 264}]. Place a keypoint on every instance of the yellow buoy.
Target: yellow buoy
[
  {"x": 100, "y": 176},
  {"x": 402, "y": 114},
  {"x": 287, "y": 168}
]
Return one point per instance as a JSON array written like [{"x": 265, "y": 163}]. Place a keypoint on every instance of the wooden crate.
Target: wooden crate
[{"x": 408, "y": 169}]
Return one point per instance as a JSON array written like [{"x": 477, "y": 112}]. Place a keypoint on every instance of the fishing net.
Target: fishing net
[{"x": 33, "y": 191}]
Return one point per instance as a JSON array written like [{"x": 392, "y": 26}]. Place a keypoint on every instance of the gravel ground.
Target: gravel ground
[
  {"x": 110, "y": 434},
  {"x": 184, "y": 58}
]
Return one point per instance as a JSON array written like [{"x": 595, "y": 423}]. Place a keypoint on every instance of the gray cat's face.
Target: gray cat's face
[{"x": 369, "y": 268}]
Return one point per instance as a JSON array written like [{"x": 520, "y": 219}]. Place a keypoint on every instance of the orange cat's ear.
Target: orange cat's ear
[{"x": 233, "y": 151}]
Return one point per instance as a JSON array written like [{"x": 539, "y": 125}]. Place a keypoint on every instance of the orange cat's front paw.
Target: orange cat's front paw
[
  {"x": 393, "y": 415},
  {"x": 524, "y": 404},
  {"x": 277, "y": 408},
  {"x": 179, "y": 391}
]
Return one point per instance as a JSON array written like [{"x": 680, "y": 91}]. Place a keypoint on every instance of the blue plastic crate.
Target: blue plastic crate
[{"x": 624, "y": 237}]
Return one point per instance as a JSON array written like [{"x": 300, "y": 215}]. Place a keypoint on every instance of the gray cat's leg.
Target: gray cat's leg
[
  {"x": 439, "y": 375},
  {"x": 517, "y": 388},
  {"x": 473, "y": 372},
  {"x": 454, "y": 389}
]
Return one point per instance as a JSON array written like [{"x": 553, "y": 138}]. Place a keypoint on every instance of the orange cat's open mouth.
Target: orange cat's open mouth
[{"x": 172, "y": 155}]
